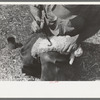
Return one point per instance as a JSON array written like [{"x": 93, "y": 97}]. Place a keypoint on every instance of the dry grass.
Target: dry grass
[{"x": 16, "y": 20}]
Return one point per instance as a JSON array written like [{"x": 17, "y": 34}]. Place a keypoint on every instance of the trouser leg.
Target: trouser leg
[{"x": 32, "y": 69}]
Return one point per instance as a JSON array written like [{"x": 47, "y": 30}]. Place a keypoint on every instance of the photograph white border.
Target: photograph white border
[{"x": 38, "y": 89}]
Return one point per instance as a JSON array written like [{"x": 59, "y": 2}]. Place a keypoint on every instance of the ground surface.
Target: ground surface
[{"x": 16, "y": 20}]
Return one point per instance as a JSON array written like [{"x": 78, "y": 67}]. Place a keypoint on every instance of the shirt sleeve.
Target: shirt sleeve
[
  {"x": 91, "y": 15},
  {"x": 36, "y": 11},
  {"x": 92, "y": 25}
]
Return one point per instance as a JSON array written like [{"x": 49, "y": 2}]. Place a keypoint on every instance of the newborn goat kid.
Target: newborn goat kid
[{"x": 58, "y": 44}]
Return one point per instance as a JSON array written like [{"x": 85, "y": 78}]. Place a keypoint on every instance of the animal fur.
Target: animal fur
[{"x": 58, "y": 44}]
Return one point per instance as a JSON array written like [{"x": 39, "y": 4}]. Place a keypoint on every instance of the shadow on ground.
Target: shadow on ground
[{"x": 87, "y": 67}]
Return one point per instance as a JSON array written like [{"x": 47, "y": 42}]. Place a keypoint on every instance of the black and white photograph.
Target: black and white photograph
[{"x": 49, "y": 42}]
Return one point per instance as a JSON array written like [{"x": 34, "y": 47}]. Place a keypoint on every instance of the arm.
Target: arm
[
  {"x": 92, "y": 26},
  {"x": 88, "y": 32},
  {"x": 36, "y": 12},
  {"x": 76, "y": 24}
]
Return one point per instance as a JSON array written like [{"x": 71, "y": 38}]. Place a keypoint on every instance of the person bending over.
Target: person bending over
[{"x": 76, "y": 21}]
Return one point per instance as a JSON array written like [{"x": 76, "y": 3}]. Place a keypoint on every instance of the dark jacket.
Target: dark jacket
[{"x": 86, "y": 24}]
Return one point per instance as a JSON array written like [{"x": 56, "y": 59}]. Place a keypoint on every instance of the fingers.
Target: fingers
[
  {"x": 42, "y": 24},
  {"x": 65, "y": 48},
  {"x": 70, "y": 29},
  {"x": 72, "y": 57},
  {"x": 69, "y": 48},
  {"x": 72, "y": 47},
  {"x": 78, "y": 52},
  {"x": 51, "y": 16}
]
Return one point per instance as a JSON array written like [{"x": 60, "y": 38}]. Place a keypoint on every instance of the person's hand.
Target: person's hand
[
  {"x": 52, "y": 18},
  {"x": 77, "y": 53},
  {"x": 37, "y": 26},
  {"x": 71, "y": 45}
]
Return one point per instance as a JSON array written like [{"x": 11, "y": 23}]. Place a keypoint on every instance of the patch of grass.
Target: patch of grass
[
  {"x": 10, "y": 66},
  {"x": 15, "y": 20},
  {"x": 89, "y": 63}
]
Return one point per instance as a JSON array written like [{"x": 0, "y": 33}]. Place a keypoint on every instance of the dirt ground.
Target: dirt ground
[{"x": 16, "y": 20}]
